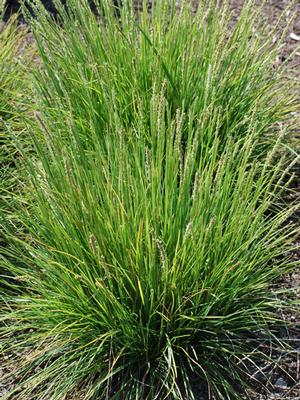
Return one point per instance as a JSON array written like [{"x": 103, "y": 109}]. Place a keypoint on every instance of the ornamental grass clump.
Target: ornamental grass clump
[
  {"x": 146, "y": 268},
  {"x": 147, "y": 265},
  {"x": 153, "y": 231}
]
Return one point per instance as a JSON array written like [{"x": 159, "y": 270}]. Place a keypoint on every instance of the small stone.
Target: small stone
[
  {"x": 281, "y": 383},
  {"x": 293, "y": 36}
]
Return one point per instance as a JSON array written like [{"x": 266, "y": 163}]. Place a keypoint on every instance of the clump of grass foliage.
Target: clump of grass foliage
[{"x": 153, "y": 233}]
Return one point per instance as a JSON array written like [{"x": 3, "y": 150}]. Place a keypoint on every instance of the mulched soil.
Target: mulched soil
[{"x": 281, "y": 379}]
